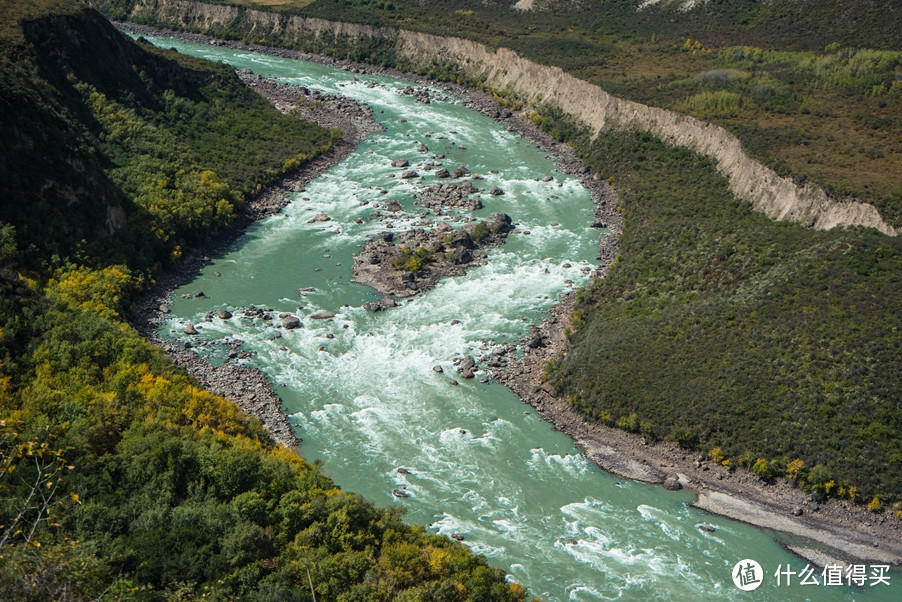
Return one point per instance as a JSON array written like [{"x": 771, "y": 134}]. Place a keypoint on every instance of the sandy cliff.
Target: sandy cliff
[{"x": 778, "y": 197}]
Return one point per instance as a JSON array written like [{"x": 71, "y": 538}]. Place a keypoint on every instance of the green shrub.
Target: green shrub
[
  {"x": 685, "y": 437},
  {"x": 479, "y": 232}
]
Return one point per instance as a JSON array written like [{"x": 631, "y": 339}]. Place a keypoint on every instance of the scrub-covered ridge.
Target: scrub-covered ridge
[{"x": 119, "y": 476}]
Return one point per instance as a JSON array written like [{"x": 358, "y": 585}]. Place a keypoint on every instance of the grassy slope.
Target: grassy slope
[
  {"x": 171, "y": 144},
  {"x": 719, "y": 328},
  {"x": 119, "y": 478}
]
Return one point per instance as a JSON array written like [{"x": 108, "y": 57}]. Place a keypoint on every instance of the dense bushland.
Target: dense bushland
[
  {"x": 119, "y": 477},
  {"x": 156, "y": 489},
  {"x": 721, "y": 329},
  {"x": 125, "y": 153}
]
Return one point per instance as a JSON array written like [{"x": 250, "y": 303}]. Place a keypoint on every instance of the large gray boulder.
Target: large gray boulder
[
  {"x": 499, "y": 223},
  {"x": 672, "y": 482},
  {"x": 291, "y": 322}
]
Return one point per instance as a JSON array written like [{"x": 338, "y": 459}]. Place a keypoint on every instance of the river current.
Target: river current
[{"x": 361, "y": 389}]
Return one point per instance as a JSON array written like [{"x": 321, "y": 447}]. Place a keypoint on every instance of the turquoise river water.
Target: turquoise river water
[{"x": 481, "y": 463}]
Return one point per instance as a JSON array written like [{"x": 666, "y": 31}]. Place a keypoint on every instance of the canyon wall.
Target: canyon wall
[{"x": 778, "y": 197}]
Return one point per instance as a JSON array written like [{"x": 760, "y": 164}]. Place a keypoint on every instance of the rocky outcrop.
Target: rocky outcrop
[
  {"x": 244, "y": 385},
  {"x": 778, "y": 197},
  {"x": 404, "y": 264}
]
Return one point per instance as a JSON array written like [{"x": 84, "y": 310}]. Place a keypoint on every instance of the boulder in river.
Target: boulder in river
[
  {"x": 190, "y": 329},
  {"x": 499, "y": 222},
  {"x": 291, "y": 322},
  {"x": 462, "y": 255},
  {"x": 407, "y": 175},
  {"x": 400, "y": 163},
  {"x": 223, "y": 314}
]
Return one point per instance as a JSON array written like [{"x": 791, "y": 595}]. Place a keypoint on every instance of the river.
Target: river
[{"x": 361, "y": 388}]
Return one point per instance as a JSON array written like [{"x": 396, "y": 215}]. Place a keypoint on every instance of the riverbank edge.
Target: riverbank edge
[
  {"x": 851, "y": 533},
  {"x": 844, "y": 533},
  {"x": 246, "y": 386}
]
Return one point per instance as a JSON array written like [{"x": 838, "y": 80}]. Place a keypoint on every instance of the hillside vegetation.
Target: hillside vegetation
[
  {"x": 119, "y": 477},
  {"x": 766, "y": 345}
]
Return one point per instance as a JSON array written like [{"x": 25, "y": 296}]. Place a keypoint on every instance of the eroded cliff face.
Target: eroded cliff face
[{"x": 778, "y": 197}]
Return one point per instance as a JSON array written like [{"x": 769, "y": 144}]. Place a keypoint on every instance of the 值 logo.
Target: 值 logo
[{"x": 747, "y": 575}]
